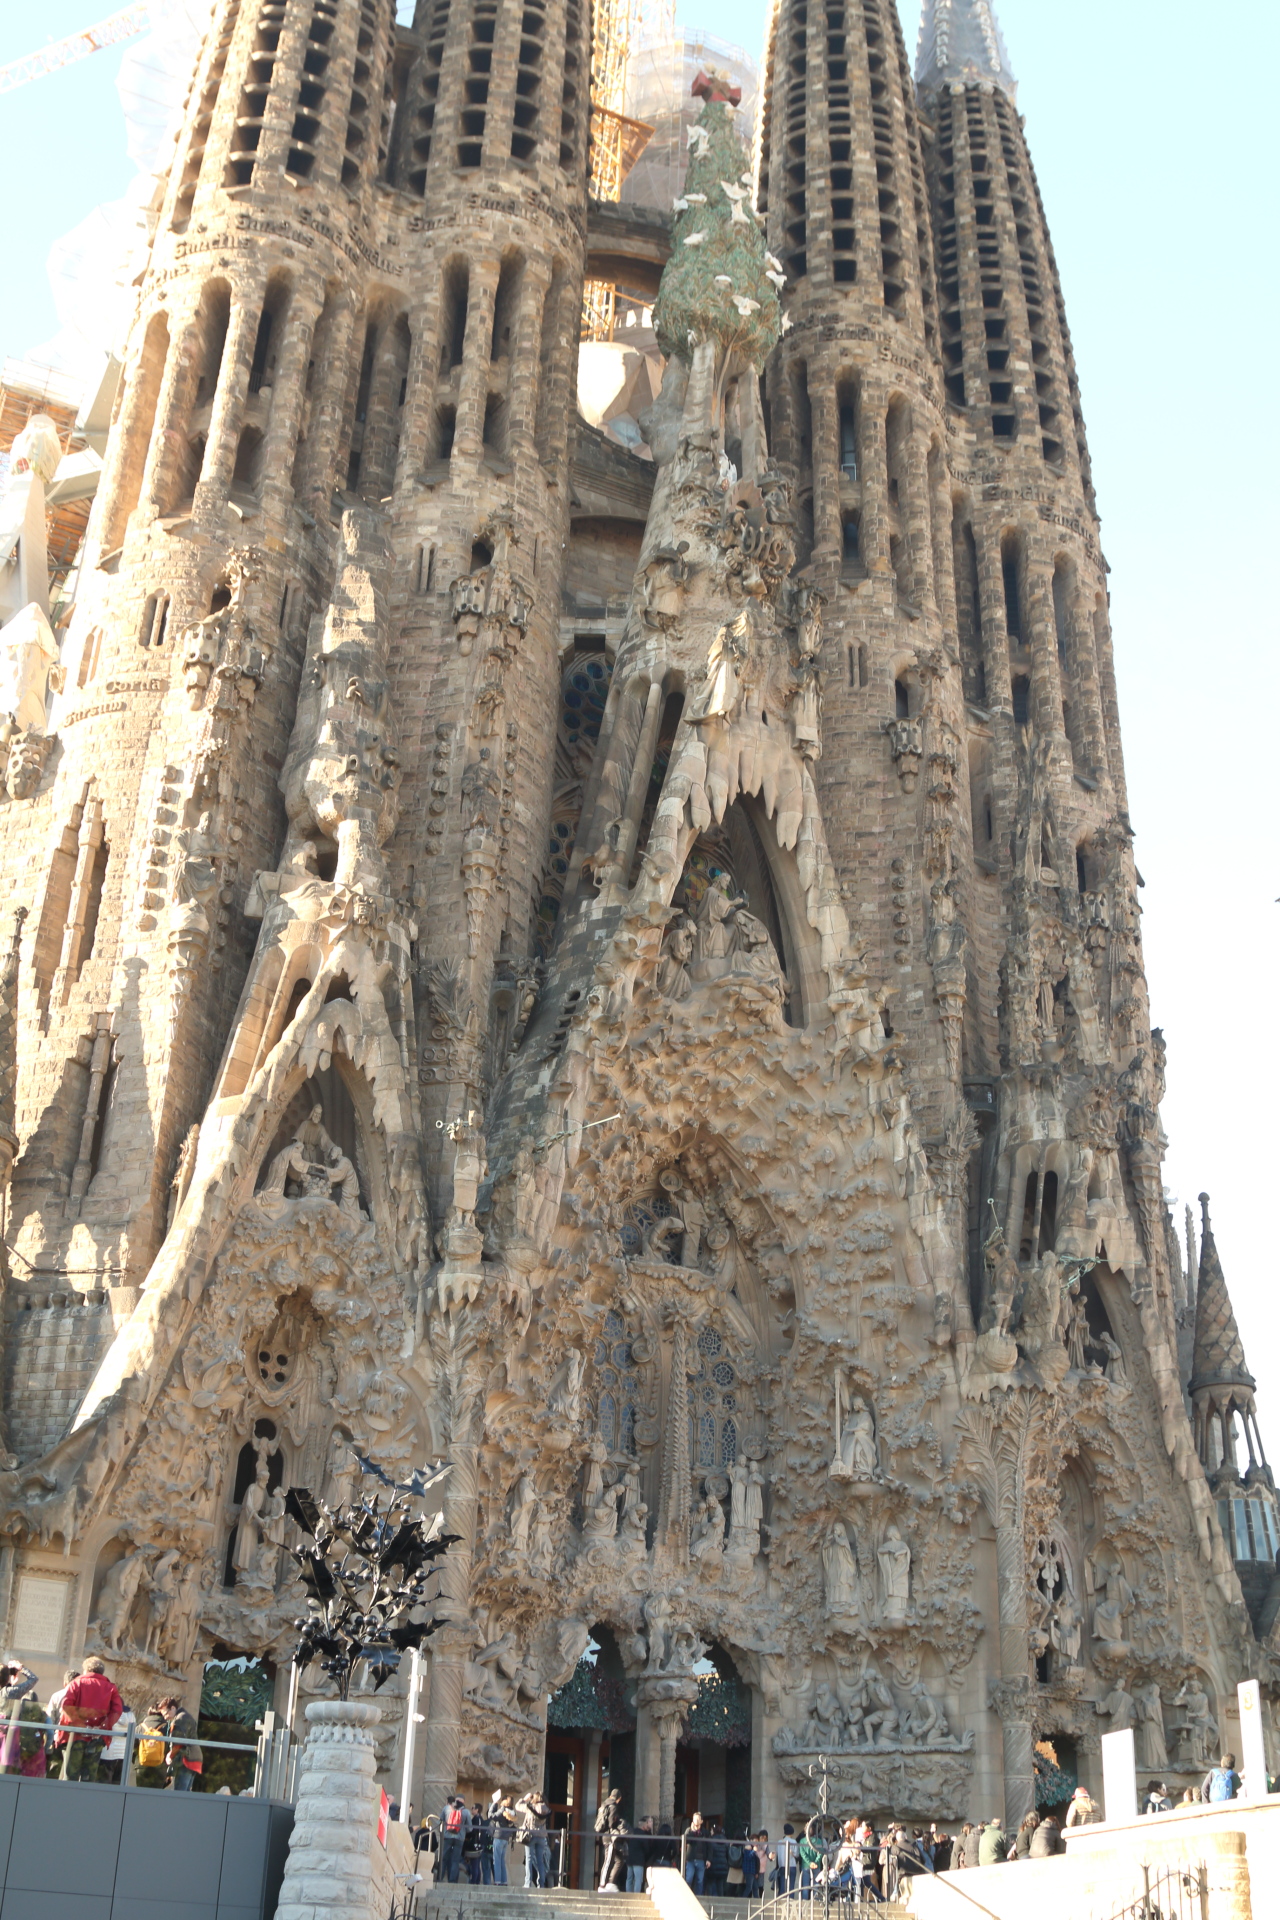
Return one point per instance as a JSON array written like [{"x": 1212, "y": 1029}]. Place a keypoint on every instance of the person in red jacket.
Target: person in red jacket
[{"x": 92, "y": 1700}]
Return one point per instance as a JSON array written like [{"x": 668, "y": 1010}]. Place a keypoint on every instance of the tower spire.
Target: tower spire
[
  {"x": 1218, "y": 1358},
  {"x": 961, "y": 40},
  {"x": 1221, "y": 1383}
]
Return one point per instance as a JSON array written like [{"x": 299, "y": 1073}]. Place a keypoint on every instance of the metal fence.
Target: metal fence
[
  {"x": 1173, "y": 1893},
  {"x": 274, "y": 1754}
]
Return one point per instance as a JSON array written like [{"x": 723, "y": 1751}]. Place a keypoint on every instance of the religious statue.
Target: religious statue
[
  {"x": 842, "y": 1583},
  {"x": 593, "y": 1472},
  {"x": 673, "y": 980},
  {"x": 565, "y": 1396},
  {"x": 1078, "y": 1336},
  {"x": 1113, "y": 1367},
  {"x": 1065, "y": 1625},
  {"x": 714, "y": 934},
  {"x": 1113, "y": 1609},
  {"x": 1121, "y": 1706},
  {"x": 244, "y": 1555},
  {"x": 118, "y": 1595},
  {"x": 340, "y": 1470},
  {"x": 823, "y": 1733},
  {"x": 753, "y": 951},
  {"x": 658, "y": 1613},
  {"x": 182, "y": 1621},
  {"x": 634, "y": 1533},
  {"x": 523, "y": 1507},
  {"x": 855, "y": 1455},
  {"x": 737, "y": 1497},
  {"x": 706, "y": 1536},
  {"x": 1003, "y": 1283},
  {"x": 162, "y": 1586},
  {"x": 1152, "y": 1751},
  {"x": 718, "y": 696},
  {"x": 662, "y": 587},
  {"x": 947, "y": 941},
  {"x": 1196, "y": 1727},
  {"x": 894, "y": 1557},
  {"x": 926, "y": 1720},
  {"x": 880, "y": 1721},
  {"x": 319, "y": 1166},
  {"x": 753, "y": 1511},
  {"x": 542, "y": 1540},
  {"x": 600, "y": 1520}
]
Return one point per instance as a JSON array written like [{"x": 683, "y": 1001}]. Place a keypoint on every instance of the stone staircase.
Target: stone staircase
[
  {"x": 459, "y": 1902},
  {"x": 465, "y": 1902}
]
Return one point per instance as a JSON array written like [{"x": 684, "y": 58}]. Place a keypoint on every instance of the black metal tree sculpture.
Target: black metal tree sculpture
[{"x": 367, "y": 1571}]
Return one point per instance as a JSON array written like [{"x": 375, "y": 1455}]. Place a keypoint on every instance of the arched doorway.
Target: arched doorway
[
  {"x": 713, "y": 1760},
  {"x": 591, "y": 1749}
]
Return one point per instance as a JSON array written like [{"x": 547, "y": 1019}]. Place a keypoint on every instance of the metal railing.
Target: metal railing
[
  {"x": 274, "y": 1753},
  {"x": 1175, "y": 1893}
]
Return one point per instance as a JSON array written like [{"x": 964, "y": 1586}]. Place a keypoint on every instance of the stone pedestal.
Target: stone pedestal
[{"x": 336, "y": 1869}]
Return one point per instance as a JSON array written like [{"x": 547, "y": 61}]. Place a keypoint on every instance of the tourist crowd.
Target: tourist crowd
[
  {"x": 82, "y": 1732},
  {"x": 860, "y": 1863}
]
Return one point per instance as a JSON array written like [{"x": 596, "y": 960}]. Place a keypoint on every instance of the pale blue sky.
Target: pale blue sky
[{"x": 1150, "y": 122}]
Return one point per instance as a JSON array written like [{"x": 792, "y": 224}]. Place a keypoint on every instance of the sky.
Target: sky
[{"x": 1150, "y": 124}]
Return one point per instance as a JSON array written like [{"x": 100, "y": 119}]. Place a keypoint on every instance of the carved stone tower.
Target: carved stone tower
[{"x": 615, "y": 965}]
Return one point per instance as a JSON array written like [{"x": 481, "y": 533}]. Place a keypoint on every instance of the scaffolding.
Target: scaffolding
[{"x": 617, "y": 140}]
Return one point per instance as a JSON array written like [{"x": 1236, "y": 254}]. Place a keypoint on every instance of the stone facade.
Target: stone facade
[{"x": 621, "y": 972}]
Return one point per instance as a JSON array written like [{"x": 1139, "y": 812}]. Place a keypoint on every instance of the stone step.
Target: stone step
[{"x": 526, "y": 1901}]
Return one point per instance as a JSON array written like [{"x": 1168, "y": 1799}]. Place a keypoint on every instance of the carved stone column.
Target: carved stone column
[
  {"x": 336, "y": 1870},
  {"x": 452, "y": 1645},
  {"x": 667, "y": 1699},
  {"x": 443, "y": 1731},
  {"x": 1001, "y": 1445}
]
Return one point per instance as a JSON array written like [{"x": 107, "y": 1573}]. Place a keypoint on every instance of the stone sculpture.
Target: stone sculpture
[
  {"x": 894, "y": 1556},
  {"x": 855, "y": 1455},
  {"x": 1112, "y": 1609},
  {"x": 842, "y": 1582},
  {"x": 313, "y": 1162},
  {"x": 1195, "y": 1727},
  {"x": 1152, "y": 1750}
]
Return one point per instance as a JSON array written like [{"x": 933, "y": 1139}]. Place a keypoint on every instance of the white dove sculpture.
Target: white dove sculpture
[{"x": 737, "y": 195}]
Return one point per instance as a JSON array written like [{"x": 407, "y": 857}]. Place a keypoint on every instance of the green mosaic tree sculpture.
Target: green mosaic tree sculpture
[{"x": 717, "y": 282}]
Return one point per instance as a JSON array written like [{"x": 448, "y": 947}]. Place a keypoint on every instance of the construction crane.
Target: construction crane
[{"x": 107, "y": 33}]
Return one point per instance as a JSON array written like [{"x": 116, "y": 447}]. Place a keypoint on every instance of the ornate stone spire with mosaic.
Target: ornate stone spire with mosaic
[{"x": 613, "y": 965}]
